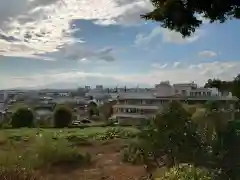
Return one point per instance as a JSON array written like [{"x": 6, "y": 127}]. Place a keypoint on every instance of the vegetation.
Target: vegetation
[
  {"x": 198, "y": 135},
  {"x": 27, "y": 151},
  {"x": 93, "y": 109},
  {"x": 182, "y": 15},
  {"x": 107, "y": 109},
  {"x": 229, "y": 86},
  {"x": 57, "y": 152},
  {"x": 62, "y": 117},
  {"x": 23, "y": 117},
  {"x": 206, "y": 139},
  {"x": 17, "y": 173},
  {"x": 185, "y": 171}
]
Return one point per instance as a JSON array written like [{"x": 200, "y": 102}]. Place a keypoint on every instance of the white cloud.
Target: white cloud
[
  {"x": 176, "y": 37},
  {"x": 168, "y": 36},
  {"x": 176, "y": 64},
  {"x": 142, "y": 39},
  {"x": 199, "y": 73},
  {"x": 208, "y": 54},
  {"x": 159, "y": 66},
  {"x": 77, "y": 52},
  {"x": 41, "y": 26}
]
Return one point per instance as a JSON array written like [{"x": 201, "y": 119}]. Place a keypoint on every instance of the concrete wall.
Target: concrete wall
[{"x": 164, "y": 90}]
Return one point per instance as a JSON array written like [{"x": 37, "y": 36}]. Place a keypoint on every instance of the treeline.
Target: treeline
[{"x": 231, "y": 86}]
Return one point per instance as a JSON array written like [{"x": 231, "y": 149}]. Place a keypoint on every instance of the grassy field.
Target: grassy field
[
  {"x": 86, "y": 132},
  {"x": 45, "y": 150}
]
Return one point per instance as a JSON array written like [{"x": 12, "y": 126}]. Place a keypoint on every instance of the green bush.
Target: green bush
[
  {"x": 134, "y": 154},
  {"x": 45, "y": 152},
  {"x": 58, "y": 152},
  {"x": 62, "y": 117},
  {"x": 186, "y": 172},
  {"x": 23, "y": 117},
  {"x": 172, "y": 134}
]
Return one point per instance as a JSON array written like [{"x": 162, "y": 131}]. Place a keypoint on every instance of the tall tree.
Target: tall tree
[
  {"x": 231, "y": 86},
  {"x": 181, "y": 15},
  {"x": 236, "y": 86}
]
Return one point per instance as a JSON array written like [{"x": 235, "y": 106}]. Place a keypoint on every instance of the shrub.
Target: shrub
[
  {"x": 93, "y": 109},
  {"x": 134, "y": 154},
  {"x": 184, "y": 171},
  {"x": 23, "y": 117},
  {"x": 171, "y": 134},
  {"x": 58, "y": 152},
  {"x": 62, "y": 117},
  {"x": 45, "y": 152}
]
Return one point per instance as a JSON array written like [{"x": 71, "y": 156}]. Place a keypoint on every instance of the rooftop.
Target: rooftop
[{"x": 150, "y": 96}]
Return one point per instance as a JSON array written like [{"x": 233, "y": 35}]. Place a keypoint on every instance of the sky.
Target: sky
[{"x": 72, "y": 43}]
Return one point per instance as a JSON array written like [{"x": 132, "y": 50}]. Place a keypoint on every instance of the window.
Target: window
[
  {"x": 149, "y": 102},
  {"x": 184, "y": 92}
]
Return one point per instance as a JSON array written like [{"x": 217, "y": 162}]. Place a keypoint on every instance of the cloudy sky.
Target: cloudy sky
[{"x": 69, "y": 43}]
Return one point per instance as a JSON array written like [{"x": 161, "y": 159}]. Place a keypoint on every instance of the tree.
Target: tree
[
  {"x": 62, "y": 117},
  {"x": 23, "y": 117},
  {"x": 172, "y": 134},
  {"x": 107, "y": 109},
  {"x": 226, "y": 149},
  {"x": 93, "y": 109},
  {"x": 236, "y": 86},
  {"x": 210, "y": 120},
  {"x": 231, "y": 86},
  {"x": 181, "y": 15}
]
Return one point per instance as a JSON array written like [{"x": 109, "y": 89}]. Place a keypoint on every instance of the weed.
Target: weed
[{"x": 17, "y": 173}]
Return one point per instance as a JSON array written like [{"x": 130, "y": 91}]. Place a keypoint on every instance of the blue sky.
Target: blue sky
[{"x": 71, "y": 43}]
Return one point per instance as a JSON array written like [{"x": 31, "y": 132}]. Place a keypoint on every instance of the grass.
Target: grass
[
  {"x": 22, "y": 151},
  {"x": 29, "y": 132},
  {"x": 32, "y": 139}
]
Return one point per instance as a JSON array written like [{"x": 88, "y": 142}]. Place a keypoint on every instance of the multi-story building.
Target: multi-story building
[
  {"x": 3, "y": 103},
  {"x": 135, "y": 106},
  {"x": 3, "y": 100}
]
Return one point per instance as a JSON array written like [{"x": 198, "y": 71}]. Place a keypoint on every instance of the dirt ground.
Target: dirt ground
[{"x": 107, "y": 165}]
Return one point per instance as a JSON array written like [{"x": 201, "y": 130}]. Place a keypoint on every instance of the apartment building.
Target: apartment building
[
  {"x": 3, "y": 100},
  {"x": 139, "y": 106}
]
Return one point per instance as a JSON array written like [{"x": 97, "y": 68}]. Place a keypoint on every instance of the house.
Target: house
[{"x": 139, "y": 106}]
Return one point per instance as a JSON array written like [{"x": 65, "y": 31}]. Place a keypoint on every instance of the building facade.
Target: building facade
[
  {"x": 3, "y": 100},
  {"x": 135, "y": 107}
]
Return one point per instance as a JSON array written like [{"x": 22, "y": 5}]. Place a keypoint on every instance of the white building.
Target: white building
[
  {"x": 144, "y": 105},
  {"x": 3, "y": 100},
  {"x": 3, "y": 103}
]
